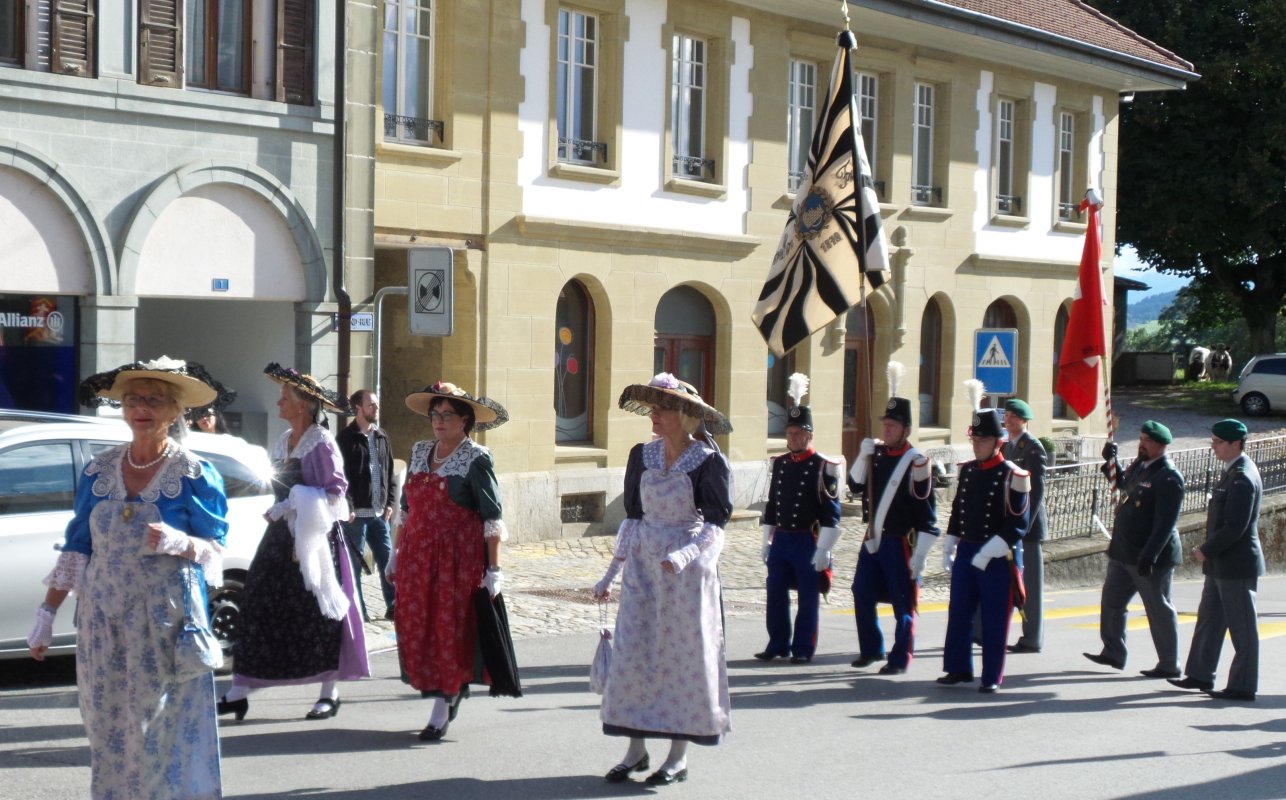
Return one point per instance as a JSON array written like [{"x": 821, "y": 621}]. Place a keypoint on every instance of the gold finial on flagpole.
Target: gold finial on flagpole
[{"x": 844, "y": 7}]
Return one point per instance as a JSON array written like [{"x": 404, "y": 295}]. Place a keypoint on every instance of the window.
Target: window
[
  {"x": 684, "y": 343},
  {"x": 1006, "y": 202},
  {"x": 577, "y": 89},
  {"x": 930, "y": 363},
  {"x": 868, "y": 112},
  {"x": 12, "y": 28},
  {"x": 37, "y": 478},
  {"x": 779, "y": 371},
  {"x": 408, "y": 72},
  {"x": 687, "y": 108},
  {"x": 801, "y": 114},
  {"x": 63, "y": 37},
  {"x": 1072, "y": 164},
  {"x": 218, "y": 45},
  {"x": 923, "y": 192},
  {"x": 573, "y": 379}
]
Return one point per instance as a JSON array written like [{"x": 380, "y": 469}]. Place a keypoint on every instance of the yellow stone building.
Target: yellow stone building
[{"x": 612, "y": 177}]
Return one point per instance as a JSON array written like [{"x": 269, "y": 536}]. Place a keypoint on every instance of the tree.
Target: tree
[{"x": 1203, "y": 171}]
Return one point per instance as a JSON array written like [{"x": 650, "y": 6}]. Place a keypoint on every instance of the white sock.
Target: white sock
[
  {"x": 236, "y": 693},
  {"x": 330, "y": 689},
  {"x": 638, "y": 749},
  {"x": 438, "y": 716},
  {"x": 678, "y": 758}
]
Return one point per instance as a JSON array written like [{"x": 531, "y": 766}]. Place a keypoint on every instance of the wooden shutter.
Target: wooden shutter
[
  {"x": 73, "y": 37},
  {"x": 160, "y": 43},
  {"x": 296, "y": 32}
]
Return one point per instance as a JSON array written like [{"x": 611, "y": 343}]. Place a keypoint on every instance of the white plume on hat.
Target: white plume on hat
[
  {"x": 975, "y": 390},
  {"x": 895, "y": 372},
  {"x": 797, "y": 387}
]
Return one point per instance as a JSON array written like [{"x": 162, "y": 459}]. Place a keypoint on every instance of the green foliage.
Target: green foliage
[{"x": 1199, "y": 316}]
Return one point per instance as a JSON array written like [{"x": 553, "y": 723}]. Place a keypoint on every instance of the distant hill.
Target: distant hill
[{"x": 1148, "y": 309}]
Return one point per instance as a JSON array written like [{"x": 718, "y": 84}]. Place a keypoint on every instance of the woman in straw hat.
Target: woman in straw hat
[
  {"x": 149, "y": 521},
  {"x": 669, "y": 677},
  {"x": 448, "y": 545},
  {"x": 300, "y": 622}
]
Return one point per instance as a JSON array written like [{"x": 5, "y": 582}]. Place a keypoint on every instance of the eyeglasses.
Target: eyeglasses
[
  {"x": 442, "y": 416},
  {"x": 150, "y": 400}
]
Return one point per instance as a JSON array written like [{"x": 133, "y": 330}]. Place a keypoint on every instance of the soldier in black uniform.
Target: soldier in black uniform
[
  {"x": 1027, "y": 452},
  {"x": 804, "y": 494},
  {"x": 1143, "y": 552},
  {"x": 983, "y": 553},
  {"x": 894, "y": 482}
]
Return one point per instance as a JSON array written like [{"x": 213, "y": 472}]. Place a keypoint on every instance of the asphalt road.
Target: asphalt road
[{"x": 1061, "y": 727}]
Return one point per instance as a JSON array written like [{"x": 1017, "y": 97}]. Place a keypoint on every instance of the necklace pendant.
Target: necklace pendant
[{"x": 127, "y": 513}]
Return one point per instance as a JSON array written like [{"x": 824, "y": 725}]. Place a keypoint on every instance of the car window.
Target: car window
[
  {"x": 238, "y": 479},
  {"x": 1271, "y": 366},
  {"x": 37, "y": 477}
]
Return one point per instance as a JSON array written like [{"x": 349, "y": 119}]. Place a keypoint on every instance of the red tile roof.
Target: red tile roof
[{"x": 1074, "y": 20}]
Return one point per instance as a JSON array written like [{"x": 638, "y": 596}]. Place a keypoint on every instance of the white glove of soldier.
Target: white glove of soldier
[
  {"x": 493, "y": 580},
  {"x": 767, "y": 529},
  {"x": 923, "y": 544},
  {"x": 858, "y": 472},
  {"x": 995, "y": 547},
  {"x": 949, "y": 543},
  {"x": 826, "y": 539},
  {"x": 391, "y": 567},
  {"x": 42, "y": 631}
]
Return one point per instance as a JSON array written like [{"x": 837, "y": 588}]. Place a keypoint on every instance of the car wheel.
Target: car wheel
[
  {"x": 1255, "y": 405},
  {"x": 225, "y": 610}
]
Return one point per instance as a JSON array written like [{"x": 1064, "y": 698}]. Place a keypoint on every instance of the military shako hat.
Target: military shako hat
[
  {"x": 800, "y": 417},
  {"x": 898, "y": 410},
  {"x": 986, "y": 422}
]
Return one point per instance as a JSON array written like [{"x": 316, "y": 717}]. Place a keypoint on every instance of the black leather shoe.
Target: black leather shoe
[
  {"x": 800, "y": 659},
  {"x": 889, "y": 669},
  {"x": 621, "y": 772},
  {"x": 1159, "y": 673},
  {"x": 663, "y": 778},
  {"x": 767, "y": 656},
  {"x": 1191, "y": 683},
  {"x": 1099, "y": 658},
  {"x": 952, "y": 678},
  {"x": 1231, "y": 694},
  {"x": 866, "y": 661},
  {"x": 331, "y": 709},
  {"x": 238, "y": 707},
  {"x": 453, "y": 708},
  {"x": 432, "y": 734},
  {"x": 1019, "y": 647},
  {"x": 388, "y": 614},
  {"x": 988, "y": 688}
]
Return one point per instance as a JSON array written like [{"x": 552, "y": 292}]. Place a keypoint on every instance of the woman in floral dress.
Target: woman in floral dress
[
  {"x": 149, "y": 525},
  {"x": 448, "y": 545},
  {"x": 669, "y": 676}
]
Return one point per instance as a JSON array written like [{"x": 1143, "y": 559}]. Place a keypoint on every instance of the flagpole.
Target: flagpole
[{"x": 868, "y": 351}]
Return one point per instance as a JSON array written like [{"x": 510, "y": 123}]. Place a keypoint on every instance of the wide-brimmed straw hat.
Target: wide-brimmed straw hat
[
  {"x": 668, "y": 392},
  {"x": 192, "y": 383},
  {"x": 487, "y": 413},
  {"x": 307, "y": 384}
]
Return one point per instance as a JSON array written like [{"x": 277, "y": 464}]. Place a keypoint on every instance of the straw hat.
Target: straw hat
[
  {"x": 307, "y": 384},
  {"x": 668, "y": 392},
  {"x": 191, "y": 381},
  {"x": 487, "y": 413}
]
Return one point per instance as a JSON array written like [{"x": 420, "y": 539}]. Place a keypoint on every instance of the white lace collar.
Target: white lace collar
[
  {"x": 688, "y": 460},
  {"x": 168, "y": 481},
  {"x": 313, "y": 435},
  {"x": 457, "y": 463}
]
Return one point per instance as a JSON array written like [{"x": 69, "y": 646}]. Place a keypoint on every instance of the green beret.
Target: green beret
[
  {"x": 1157, "y": 432},
  {"x": 1019, "y": 409},
  {"x": 1230, "y": 430}
]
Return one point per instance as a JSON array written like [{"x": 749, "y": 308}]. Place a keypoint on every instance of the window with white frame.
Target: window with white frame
[
  {"x": 868, "y": 96},
  {"x": 218, "y": 45},
  {"x": 1067, "y": 205},
  {"x": 801, "y": 114},
  {"x": 687, "y": 108},
  {"x": 1006, "y": 201},
  {"x": 577, "y": 88},
  {"x": 923, "y": 191},
  {"x": 408, "y": 72}
]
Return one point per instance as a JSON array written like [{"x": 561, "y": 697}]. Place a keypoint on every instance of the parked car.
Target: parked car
[
  {"x": 41, "y": 460},
  {"x": 1261, "y": 387}
]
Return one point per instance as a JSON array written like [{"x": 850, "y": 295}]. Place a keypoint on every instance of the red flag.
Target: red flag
[{"x": 1084, "y": 345}]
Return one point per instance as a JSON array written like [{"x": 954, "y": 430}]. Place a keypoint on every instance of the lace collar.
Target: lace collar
[
  {"x": 312, "y": 436},
  {"x": 690, "y": 459},
  {"x": 457, "y": 463},
  {"x": 110, "y": 482}
]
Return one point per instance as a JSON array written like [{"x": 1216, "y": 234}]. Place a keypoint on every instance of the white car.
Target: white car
[
  {"x": 41, "y": 460},
  {"x": 1261, "y": 387}
]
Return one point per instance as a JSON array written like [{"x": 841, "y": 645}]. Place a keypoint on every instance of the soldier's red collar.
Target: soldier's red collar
[
  {"x": 801, "y": 456},
  {"x": 994, "y": 461},
  {"x": 905, "y": 447}
]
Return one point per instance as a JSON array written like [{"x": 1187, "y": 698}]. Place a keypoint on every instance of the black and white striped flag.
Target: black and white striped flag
[{"x": 833, "y": 233}]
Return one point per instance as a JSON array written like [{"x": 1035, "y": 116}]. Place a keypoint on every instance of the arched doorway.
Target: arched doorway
[
  {"x": 685, "y": 338},
  {"x": 859, "y": 344},
  {"x": 573, "y": 349},
  {"x": 1060, "y": 410},
  {"x": 930, "y": 365}
]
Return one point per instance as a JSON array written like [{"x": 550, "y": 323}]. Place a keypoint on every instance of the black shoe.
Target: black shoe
[
  {"x": 238, "y": 707},
  {"x": 800, "y": 659},
  {"x": 330, "y": 710},
  {"x": 988, "y": 688},
  {"x": 388, "y": 614},
  {"x": 1019, "y": 647},
  {"x": 621, "y": 772},
  {"x": 866, "y": 661},
  {"x": 1192, "y": 683},
  {"x": 1231, "y": 694},
  {"x": 1098, "y": 658},
  {"x": 768, "y": 656},
  {"x": 1159, "y": 673},
  {"x": 889, "y": 669},
  {"x": 663, "y": 778},
  {"x": 952, "y": 678},
  {"x": 432, "y": 734},
  {"x": 453, "y": 707}
]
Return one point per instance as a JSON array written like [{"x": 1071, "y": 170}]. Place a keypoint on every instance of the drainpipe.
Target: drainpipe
[{"x": 337, "y": 204}]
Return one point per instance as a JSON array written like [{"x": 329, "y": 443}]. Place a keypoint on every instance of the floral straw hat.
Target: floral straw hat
[
  {"x": 668, "y": 392},
  {"x": 307, "y": 384},
  {"x": 193, "y": 383},
  {"x": 487, "y": 413}
]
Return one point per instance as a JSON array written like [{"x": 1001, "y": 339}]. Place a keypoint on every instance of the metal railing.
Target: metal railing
[
  {"x": 412, "y": 129},
  {"x": 925, "y": 195},
  {"x": 693, "y": 167},
  {"x": 584, "y": 151}
]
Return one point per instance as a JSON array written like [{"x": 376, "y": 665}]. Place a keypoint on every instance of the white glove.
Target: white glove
[
  {"x": 166, "y": 540},
  {"x": 867, "y": 448},
  {"x": 826, "y": 539},
  {"x": 42, "y": 630},
  {"x": 493, "y": 580},
  {"x": 872, "y": 545},
  {"x": 949, "y": 543},
  {"x": 858, "y": 472},
  {"x": 278, "y": 510},
  {"x": 391, "y": 566},
  {"x": 923, "y": 544},
  {"x": 995, "y": 547},
  {"x": 767, "y": 529}
]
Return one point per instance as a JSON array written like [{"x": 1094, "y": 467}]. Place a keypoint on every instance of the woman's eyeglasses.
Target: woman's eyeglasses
[
  {"x": 149, "y": 400},
  {"x": 442, "y": 416}
]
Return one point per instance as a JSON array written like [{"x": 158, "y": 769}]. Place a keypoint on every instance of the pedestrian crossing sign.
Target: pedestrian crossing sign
[{"x": 995, "y": 361}]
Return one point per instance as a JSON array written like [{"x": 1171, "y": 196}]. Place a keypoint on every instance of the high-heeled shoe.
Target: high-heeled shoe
[
  {"x": 331, "y": 709},
  {"x": 621, "y": 772},
  {"x": 238, "y": 707}
]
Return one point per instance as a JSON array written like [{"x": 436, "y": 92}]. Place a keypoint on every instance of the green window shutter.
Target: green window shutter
[
  {"x": 296, "y": 45},
  {"x": 160, "y": 43}
]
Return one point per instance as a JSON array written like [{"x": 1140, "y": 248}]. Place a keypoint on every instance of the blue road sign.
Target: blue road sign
[{"x": 995, "y": 360}]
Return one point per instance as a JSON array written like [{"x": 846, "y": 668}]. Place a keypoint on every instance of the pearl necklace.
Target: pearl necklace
[
  {"x": 129, "y": 458},
  {"x": 440, "y": 460}
]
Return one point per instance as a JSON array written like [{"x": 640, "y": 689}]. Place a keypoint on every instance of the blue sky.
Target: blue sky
[{"x": 1127, "y": 265}]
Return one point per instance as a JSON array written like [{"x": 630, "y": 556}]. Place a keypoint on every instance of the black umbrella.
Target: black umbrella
[{"x": 495, "y": 644}]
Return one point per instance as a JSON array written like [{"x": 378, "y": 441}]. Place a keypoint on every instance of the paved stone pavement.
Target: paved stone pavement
[{"x": 1191, "y": 430}]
